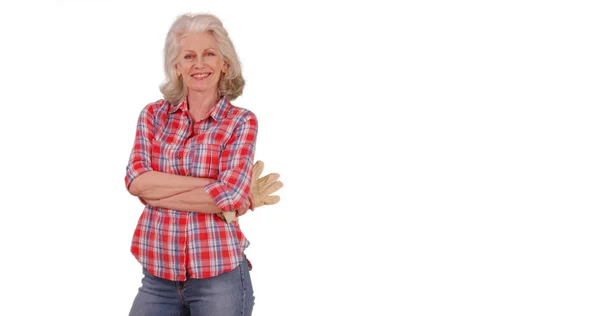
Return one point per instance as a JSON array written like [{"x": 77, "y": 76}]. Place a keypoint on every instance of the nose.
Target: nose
[{"x": 199, "y": 62}]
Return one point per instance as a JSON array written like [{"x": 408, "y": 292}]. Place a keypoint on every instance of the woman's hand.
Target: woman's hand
[
  {"x": 261, "y": 189},
  {"x": 248, "y": 205},
  {"x": 232, "y": 216}
]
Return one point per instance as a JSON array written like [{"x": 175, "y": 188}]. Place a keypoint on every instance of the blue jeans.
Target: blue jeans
[{"x": 227, "y": 294}]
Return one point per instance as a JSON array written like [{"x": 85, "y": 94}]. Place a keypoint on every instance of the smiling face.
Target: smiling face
[{"x": 200, "y": 63}]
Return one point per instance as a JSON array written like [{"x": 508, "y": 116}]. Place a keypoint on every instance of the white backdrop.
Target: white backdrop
[{"x": 439, "y": 157}]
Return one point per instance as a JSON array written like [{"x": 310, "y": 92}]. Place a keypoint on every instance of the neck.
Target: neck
[{"x": 200, "y": 103}]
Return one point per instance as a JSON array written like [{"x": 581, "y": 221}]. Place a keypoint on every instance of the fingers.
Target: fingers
[
  {"x": 257, "y": 169},
  {"x": 251, "y": 199},
  {"x": 262, "y": 188},
  {"x": 244, "y": 208},
  {"x": 271, "y": 177},
  {"x": 270, "y": 200},
  {"x": 266, "y": 180},
  {"x": 241, "y": 212},
  {"x": 271, "y": 188}
]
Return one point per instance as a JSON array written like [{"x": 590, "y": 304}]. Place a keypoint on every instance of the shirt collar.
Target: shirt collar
[
  {"x": 218, "y": 112},
  {"x": 221, "y": 110},
  {"x": 180, "y": 106}
]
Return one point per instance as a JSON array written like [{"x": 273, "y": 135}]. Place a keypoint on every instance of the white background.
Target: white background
[{"x": 439, "y": 157}]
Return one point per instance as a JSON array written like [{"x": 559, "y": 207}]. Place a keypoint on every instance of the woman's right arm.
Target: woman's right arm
[{"x": 154, "y": 185}]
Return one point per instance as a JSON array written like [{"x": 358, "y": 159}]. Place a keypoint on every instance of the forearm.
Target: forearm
[
  {"x": 194, "y": 200},
  {"x": 154, "y": 185}
]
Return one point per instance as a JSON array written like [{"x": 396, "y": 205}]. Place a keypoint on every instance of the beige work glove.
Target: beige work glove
[{"x": 261, "y": 189}]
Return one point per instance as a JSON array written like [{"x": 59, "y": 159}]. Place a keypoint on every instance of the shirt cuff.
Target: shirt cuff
[
  {"x": 135, "y": 171},
  {"x": 219, "y": 194}
]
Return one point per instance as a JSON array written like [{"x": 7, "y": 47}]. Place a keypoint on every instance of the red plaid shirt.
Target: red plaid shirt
[{"x": 170, "y": 243}]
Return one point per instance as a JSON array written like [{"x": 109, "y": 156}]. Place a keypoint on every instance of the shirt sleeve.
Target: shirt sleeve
[
  {"x": 140, "y": 157},
  {"x": 235, "y": 167}
]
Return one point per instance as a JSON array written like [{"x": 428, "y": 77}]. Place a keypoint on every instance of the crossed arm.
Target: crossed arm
[
  {"x": 230, "y": 192},
  {"x": 176, "y": 192}
]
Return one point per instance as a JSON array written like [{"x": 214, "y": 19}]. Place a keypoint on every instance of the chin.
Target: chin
[{"x": 202, "y": 88}]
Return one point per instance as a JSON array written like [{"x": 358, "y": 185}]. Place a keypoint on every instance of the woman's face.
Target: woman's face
[{"x": 199, "y": 62}]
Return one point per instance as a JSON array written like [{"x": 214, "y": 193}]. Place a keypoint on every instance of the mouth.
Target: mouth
[{"x": 201, "y": 76}]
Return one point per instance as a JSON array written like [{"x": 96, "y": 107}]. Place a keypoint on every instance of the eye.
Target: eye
[
  {"x": 210, "y": 54},
  {"x": 188, "y": 57}
]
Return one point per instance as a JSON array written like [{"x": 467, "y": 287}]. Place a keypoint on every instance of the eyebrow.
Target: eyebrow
[{"x": 193, "y": 51}]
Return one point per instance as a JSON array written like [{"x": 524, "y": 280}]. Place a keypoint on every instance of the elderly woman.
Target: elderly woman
[{"x": 191, "y": 161}]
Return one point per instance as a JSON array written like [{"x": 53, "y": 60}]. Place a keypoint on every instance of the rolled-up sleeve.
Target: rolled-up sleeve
[
  {"x": 235, "y": 166},
  {"x": 140, "y": 157}
]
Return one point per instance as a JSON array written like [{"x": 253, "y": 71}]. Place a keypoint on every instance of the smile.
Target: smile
[{"x": 201, "y": 76}]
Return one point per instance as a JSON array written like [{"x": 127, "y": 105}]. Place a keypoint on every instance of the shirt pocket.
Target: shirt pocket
[
  {"x": 201, "y": 160},
  {"x": 164, "y": 156}
]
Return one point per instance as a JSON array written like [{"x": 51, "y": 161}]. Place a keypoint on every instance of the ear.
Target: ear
[
  {"x": 177, "y": 72},
  {"x": 225, "y": 67}
]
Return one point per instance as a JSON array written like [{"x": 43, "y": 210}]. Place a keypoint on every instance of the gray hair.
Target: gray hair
[{"x": 231, "y": 83}]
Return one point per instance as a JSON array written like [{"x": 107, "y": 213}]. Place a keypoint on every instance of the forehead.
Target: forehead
[{"x": 198, "y": 41}]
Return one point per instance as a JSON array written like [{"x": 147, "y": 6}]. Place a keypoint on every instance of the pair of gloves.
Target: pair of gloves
[{"x": 261, "y": 189}]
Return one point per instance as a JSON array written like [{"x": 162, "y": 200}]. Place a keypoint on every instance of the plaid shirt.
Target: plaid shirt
[{"x": 175, "y": 244}]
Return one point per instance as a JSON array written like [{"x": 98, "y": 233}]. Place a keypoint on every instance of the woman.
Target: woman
[{"x": 192, "y": 159}]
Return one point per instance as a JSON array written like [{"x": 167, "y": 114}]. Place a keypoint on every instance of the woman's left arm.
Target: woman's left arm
[
  {"x": 232, "y": 187},
  {"x": 195, "y": 200}
]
